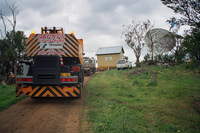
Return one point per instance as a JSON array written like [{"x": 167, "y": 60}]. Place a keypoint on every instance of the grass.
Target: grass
[
  {"x": 120, "y": 102},
  {"x": 7, "y": 96}
]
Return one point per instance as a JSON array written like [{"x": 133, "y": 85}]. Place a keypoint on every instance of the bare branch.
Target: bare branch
[
  {"x": 1, "y": 34},
  {"x": 3, "y": 21},
  {"x": 14, "y": 10},
  {"x": 9, "y": 20}
]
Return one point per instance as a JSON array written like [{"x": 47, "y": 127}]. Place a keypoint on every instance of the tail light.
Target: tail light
[
  {"x": 76, "y": 69},
  {"x": 24, "y": 80},
  {"x": 69, "y": 80}
]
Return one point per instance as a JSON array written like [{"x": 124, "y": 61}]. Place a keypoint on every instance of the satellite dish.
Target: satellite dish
[{"x": 162, "y": 40}]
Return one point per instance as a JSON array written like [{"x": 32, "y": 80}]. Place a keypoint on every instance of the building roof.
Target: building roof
[{"x": 110, "y": 50}]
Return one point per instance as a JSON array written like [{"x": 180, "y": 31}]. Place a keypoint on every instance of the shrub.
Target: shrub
[
  {"x": 192, "y": 65},
  {"x": 138, "y": 64}
]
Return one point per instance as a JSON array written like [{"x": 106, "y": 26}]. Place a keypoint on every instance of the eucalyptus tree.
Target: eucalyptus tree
[{"x": 134, "y": 36}]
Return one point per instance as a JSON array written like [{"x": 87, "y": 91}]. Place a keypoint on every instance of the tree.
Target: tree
[
  {"x": 189, "y": 9},
  {"x": 20, "y": 41},
  {"x": 14, "y": 11},
  {"x": 10, "y": 54},
  {"x": 178, "y": 50},
  {"x": 159, "y": 41},
  {"x": 192, "y": 44},
  {"x": 134, "y": 36}
]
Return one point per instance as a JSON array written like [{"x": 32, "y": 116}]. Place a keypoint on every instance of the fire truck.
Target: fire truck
[{"x": 56, "y": 69}]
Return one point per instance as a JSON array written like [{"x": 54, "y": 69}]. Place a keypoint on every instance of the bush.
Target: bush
[
  {"x": 192, "y": 65},
  {"x": 138, "y": 64},
  {"x": 168, "y": 58},
  {"x": 160, "y": 58},
  {"x": 147, "y": 57},
  {"x": 152, "y": 84}
]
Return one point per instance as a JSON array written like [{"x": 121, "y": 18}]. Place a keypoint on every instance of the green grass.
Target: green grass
[
  {"x": 120, "y": 102},
  {"x": 7, "y": 96}
]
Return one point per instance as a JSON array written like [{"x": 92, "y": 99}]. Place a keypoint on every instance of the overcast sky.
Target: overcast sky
[{"x": 97, "y": 22}]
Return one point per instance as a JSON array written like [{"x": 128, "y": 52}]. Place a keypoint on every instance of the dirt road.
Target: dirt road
[{"x": 44, "y": 115}]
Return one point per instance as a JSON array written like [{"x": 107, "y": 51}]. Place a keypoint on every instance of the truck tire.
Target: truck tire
[
  {"x": 80, "y": 92},
  {"x": 89, "y": 72},
  {"x": 83, "y": 76},
  {"x": 94, "y": 70}
]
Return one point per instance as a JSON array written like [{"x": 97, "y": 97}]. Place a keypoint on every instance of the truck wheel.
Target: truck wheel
[
  {"x": 83, "y": 76},
  {"x": 79, "y": 96},
  {"x": 94, "y": 70},
  {"x": 89, "y": 72}
]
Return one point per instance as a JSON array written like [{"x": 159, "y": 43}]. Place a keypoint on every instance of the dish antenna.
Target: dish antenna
[{"x": 162, "y": 40}]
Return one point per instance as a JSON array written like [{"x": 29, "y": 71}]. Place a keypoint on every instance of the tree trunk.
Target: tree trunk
[
  {"x": 176, "y": 57},
  {"x": 137, "y": 59},
  {"x": 151, "y": 49},
  {"x": 15, "y": 68},
  {"x": 152, "y": 55}
]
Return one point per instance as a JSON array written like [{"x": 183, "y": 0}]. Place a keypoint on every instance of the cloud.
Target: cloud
[{"x": 98, "y": 22}]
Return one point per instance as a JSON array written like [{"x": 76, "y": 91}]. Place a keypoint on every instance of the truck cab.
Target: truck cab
[{"x": 89, "y": 66}]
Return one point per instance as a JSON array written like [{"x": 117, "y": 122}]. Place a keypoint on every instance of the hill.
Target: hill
[{"x": 127, "y": 101}]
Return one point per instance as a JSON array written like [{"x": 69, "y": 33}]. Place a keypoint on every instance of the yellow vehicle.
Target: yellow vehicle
[{"x": 57, "y": 66}]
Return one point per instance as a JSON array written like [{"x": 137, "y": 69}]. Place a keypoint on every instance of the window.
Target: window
[
  {"x": 121, "y": 62},
  {"x": 106, "y": 58},
  {"x": 86, "y": 61}
]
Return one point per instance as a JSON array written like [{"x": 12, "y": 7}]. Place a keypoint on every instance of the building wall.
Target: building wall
[
  {"x": 109, "y": 60},
  {"x": 121, "y": 55}
]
